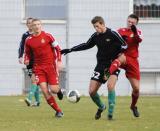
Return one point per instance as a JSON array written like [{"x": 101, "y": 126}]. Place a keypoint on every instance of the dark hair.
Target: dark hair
[
  {"x": 134, "y": 16},
  {"x": 30, "y": 18},
  {"x": 97, "y": 19}
]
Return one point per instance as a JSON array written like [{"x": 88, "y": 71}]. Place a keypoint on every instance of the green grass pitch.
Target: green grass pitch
[{"x": 16, "y": 116}]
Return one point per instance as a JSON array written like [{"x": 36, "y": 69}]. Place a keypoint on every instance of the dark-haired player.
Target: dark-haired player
[{"x": 129, "y": 59}]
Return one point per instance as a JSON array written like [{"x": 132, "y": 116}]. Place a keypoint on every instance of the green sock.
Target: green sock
[
  {"x": 31, "y": 92},
  {"x": 37, "y": 94},
  {"x": 96, "y": 99},
  {"x": 111, "y": 101}
]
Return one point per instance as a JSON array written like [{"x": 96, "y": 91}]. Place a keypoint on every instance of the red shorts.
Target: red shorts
[
  {"x": 131, "y": 67},
  {"x": 46, "y": 73}
]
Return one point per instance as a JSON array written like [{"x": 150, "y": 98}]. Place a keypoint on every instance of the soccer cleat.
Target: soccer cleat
[
  {"x": 36, "y": 104},
  {"x": 99, "y": 111},
  {"x": 106, "y": 74},
  {"x": 60, "y": 95},
  {"x": 59, "y": 114},
  {"x": 135, "y": 111},
  {"x": 27, "y": 102},
  {"x": 110, "y": 117}
]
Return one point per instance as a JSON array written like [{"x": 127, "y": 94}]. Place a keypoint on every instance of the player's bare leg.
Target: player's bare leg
[
  {"x": 56, "y": 89},
  {"x": 50, "y": 99},
  {"x": 93, "y": 88},
  {"x": 135, "y": 95},
  {"x": 111, "y": 95}
]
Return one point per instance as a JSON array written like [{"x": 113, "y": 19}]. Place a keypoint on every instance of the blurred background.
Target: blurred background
[{"x": 69, "y": 22}]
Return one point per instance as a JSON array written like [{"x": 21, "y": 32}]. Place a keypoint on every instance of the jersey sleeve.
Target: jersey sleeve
[
  {"x": 54, "y": 43},
  {"x": 27, "y": 54},
  {"x": 84, "y": 46},
  {"x": 21, "y": 46},
  {"x": 138, "y": 38},
  {"x": 120, "y": 40}
]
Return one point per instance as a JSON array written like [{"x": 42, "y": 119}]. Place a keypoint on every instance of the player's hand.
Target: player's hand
[
  {"x": 59, "y": 66},
  {"x": 20, "y": 60},
  {"x": 66, "y": 51},
  {"x": 26, "y": 62},
  {"x": 134, "y": 29}
]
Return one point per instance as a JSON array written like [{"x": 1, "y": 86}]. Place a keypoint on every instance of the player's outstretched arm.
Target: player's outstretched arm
[
  {"x": 66, "y": 51},
  {"x": 84, "y": 46}
]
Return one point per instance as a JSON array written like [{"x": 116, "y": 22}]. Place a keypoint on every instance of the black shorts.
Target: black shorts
[
  {"x": 98, "y": 74},
  {"x": 29, "y": 68}
]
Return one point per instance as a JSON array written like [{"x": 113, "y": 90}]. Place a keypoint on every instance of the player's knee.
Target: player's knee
[
  {"x": 136, "y": 90},
  {"x": 92, "y": 93},
  {"x": 122, "y": 58},
  {"x": 46, "y": 95},
  {"x": 110, "y": 86}
]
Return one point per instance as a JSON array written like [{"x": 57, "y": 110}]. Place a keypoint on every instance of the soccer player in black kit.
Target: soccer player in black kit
[{"x": 109, "y": 44}]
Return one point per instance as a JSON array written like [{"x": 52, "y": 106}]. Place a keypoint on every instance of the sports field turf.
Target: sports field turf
[{"x": 16, "y": 116}]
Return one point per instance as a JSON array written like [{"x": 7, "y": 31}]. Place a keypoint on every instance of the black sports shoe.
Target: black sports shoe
[
  {"x": 59, "y": 114},
  {"x": 27, "y": 102},
  {"x": 36, "y": 104},
  {"x": 60, "y": 95},
  {"x": 99, "y": 111},
  {"x": 110, "y": 117},
  {"x": 135, "y": 111}
]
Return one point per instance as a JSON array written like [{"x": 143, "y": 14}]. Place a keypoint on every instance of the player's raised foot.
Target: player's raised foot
[
  {"x": 99, "y": 111},
  {"x": 60, "y": 95},
  {"x": 106, "y": 74},
  {"x": 59, "y": 114},
  {"x": 110, "y": 117},
  {"x": 135, "y": 111},
  {"x": 28, "y": 102}
]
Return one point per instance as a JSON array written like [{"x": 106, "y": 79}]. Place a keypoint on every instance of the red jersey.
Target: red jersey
[
  {"x": 132, "y": 41},
  {"x": 44, "y": 47}
]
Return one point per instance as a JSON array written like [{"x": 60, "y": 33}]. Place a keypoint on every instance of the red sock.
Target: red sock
[
  {"x": 135, "y": 97},
  {"x": 114, "y": 66},
  {"x": 52, "y": 102}
]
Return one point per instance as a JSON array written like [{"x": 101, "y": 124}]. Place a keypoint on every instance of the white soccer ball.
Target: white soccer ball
[{"x": 73, "y": 96}]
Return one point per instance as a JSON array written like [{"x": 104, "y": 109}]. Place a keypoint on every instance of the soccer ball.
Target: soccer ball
[{"x": 73, "y": 96}]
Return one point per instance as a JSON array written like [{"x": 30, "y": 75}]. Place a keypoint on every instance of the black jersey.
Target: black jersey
[
  {"x": 21, "y": 49},
  {"x": 109, "y": 45},
  {"x": 22, "y": 44}
]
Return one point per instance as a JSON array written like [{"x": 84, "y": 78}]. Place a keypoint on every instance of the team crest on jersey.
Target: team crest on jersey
[
  {"x": 42, "y": 40},
  {"x": 131, "y": 35},
  {"x": 108, "y": 40}
]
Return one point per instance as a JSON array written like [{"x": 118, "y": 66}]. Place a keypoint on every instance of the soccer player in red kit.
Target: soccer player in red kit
[
  {"x": 129, "y": 59},
  {"x": 47, "y": 58}
]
